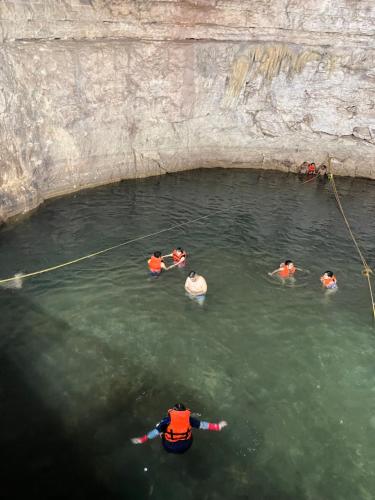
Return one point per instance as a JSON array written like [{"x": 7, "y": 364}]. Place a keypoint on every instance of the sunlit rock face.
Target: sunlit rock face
[{"x": 93, "y": 91}]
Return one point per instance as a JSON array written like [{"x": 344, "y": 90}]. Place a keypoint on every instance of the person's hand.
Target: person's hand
[
  {"x": 222, "y": 424},
  {"x": 270, "y": 274},
  {"x": 139, "y": 440}
]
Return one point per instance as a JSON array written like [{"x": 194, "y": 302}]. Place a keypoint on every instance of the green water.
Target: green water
[{"x": 95, "y": 354}]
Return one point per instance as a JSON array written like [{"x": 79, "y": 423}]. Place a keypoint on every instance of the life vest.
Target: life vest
[
  {"x": 177, "y": 257},
  {"x": 179, "y": 428},
  {"x": 311, "y": 169},
  {"x": 286, "y": 271},
  {"x": 154, "y": 264},
  {"x": 329, "y": 282}
]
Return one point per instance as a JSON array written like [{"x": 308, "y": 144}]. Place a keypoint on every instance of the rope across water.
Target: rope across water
[
  {"x": 105, "y": 250},
  {"x": 366, "y": 271}
]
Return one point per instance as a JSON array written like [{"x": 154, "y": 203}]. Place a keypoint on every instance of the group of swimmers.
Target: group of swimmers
[
  {"x": 175, "y": 429},
  {"x": 287, "y": 269},
  {"x": 195, "y": 284}
]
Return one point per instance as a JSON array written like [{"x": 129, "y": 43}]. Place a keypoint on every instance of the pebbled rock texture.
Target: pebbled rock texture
[{"x": 94, "y": 91}]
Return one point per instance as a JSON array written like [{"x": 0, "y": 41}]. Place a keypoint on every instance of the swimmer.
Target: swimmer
[
  {"x": 286, "y": 270},
  {"x": 329, "y": 280},
  {"x": 175, "y": 429},
  {"x": 196, "y": 287},
  {"x": 179, "y": 257},
  {"x": 156, "y": 264}
]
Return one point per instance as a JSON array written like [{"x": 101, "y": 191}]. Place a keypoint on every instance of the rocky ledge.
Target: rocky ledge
[{"x": 94, "y": 91}]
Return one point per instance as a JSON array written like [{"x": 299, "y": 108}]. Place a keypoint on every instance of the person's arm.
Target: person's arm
[
  {"x": 207, "y": 426},
  {"x": 204, "y": 286},
  {"x": 163, "y": 266},
  {"x": 275, "y": 271},
  {"x": 169, "y": 255},
  {"x": 156, "y": 431},
  {"x": 172, "y": 265}
]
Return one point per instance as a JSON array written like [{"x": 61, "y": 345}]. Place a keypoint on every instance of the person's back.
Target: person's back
[
  {"x": 156, "y": 264},
  {"x": 176, "y": 429}
]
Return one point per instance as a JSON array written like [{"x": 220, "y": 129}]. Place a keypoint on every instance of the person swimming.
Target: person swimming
[
  {"x": 179, "y": 257},
  {"x": 156, "y": 264},
  {"x": 196, "y": 287},
  {"x": 329, "y": 280},
  {"x": 286, "y": 270},
  {"x": 176, "y": 429}
]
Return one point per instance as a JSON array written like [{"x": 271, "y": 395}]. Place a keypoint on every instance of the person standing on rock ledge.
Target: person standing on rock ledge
[{"x": 196, "y": 287}]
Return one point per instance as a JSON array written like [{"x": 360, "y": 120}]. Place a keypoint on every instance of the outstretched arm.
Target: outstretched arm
[
  {"x": 207, "y": 426},
  {"x": 275, "y": 271},
  {"x": 150, "y": 435},
  {"x": 156, "y": 431},
  {"x": 172, "y": 265}
]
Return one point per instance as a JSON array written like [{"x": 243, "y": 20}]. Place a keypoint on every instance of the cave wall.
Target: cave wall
[{"x": 95, "y": 91}]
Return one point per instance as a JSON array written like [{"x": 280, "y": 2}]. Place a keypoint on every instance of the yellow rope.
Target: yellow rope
[
  {"x": 89, "y": 256},
  {"x": 366, "y": 271}
]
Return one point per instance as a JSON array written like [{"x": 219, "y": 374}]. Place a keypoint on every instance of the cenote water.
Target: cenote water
[{"x": 95, "y": 353}]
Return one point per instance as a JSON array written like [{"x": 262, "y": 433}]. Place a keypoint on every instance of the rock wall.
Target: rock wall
[{"x": 93, "y": 91}]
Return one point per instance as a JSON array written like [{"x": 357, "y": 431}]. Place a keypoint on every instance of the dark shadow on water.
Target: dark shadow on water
[{"x": 94, "y": 459}]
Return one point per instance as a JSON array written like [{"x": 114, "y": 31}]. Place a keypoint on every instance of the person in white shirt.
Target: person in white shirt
[{"x": 196, "y": 287}]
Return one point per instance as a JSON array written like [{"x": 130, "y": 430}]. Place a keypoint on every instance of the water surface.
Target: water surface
[{"x": 95, "y": 353}]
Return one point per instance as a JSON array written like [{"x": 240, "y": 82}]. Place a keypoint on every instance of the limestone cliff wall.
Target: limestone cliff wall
[{"x": 93, "y": 91}]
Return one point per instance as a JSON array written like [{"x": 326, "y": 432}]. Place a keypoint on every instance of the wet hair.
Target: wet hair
[
  {"x": 157, "y": 254},
  {"x": 192, "y": 274},
  {"x": 287, "y": 262},
  {"x": 179, "y": 407},
  {"x": 329, "y": 273},
  {"x": 179, "y": 249}
]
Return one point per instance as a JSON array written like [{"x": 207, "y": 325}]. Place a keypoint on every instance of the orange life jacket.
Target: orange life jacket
[
  {"x": 154, "y": 264},
  {"x": 311, "y": 169},
  {"x": 177, "y": 257},
  {"x": 286, "y": 271},
  {"x": 328, "y": 282},
  {"x": 179, "y": 428}
]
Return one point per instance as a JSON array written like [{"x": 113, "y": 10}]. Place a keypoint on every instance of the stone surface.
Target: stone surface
[{"x": 94, "y": 91}]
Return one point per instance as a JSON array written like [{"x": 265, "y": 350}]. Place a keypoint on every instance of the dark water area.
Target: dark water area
[{"x": 95, "y": 353}]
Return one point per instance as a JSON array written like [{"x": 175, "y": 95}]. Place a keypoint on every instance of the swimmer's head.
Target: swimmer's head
[
  {"x": 288, "y": 262},
  {"x": 179, "y": 249},
  {"x": 179, "y": 407},
  {"x": 329, "y": 274},
  {"x": 192, "y": 274},
  {"x": 157, "y": 255}
]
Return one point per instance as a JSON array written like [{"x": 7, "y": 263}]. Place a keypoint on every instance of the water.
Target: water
[{"x": 94, "y": 354}]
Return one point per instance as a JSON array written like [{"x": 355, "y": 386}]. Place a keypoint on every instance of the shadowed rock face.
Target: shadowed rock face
[{"x": 94, "y": 91}]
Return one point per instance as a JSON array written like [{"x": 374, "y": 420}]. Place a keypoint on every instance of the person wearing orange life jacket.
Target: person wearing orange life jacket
[
  {"x": 311, "y": 169},
  {"x": 179, "y": 257},
  {"x": 286, "y": 270},
  {"x": 156, "y": 264},
  {"x": 329, "y": 280},
  {"x": 176, "y": 429}
]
